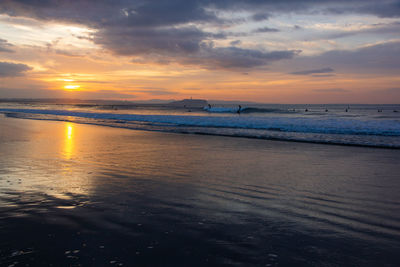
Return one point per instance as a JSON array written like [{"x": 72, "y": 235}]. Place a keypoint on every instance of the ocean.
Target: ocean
[{"x": 361, "y": 125}]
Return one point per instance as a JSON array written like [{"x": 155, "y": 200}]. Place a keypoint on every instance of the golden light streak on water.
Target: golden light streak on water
[{"x": 69, "y": 140}]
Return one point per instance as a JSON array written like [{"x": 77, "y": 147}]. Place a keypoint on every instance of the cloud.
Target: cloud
[
  {"x": 92, "y": 81},
  {"x": 5, "y": 46},
  {"x": 266, "y": 29},
  {"x": 67, "y": 53},
  {"x": 384, "y": 56},
  {"x": 238, "y": 58},
  {"x": 394, "y": 90},
  {"x": 155, "y": 91},
  {"x": 236, "y": 42},
  {"x": 137, "y": 41},
  {"x": 323, "y": 75},
  {"x": 384, "y": 9},
  {"x": 102, "y": 94},
  {"x": 260, "y": 16},
  {"x": 314, "y": 71},
  {"x": 381, "y": 58},
  {"x": 378, "y": 28},
  {"x": 8, "y": 69},
  {"x": 117, "y": 13},
  {"x": 192, "y": 89},
  {"x": 174, "y": 12},
  {"x": 35, "y": 91},
  {"x": 331, "y": 90},
  {"x": 166, "y": 31},
  {"x": 184, "y": 45},
  {"x": 32, "y": 92}
]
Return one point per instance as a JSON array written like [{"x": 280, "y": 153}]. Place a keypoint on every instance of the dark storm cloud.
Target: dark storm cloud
[
  {"x": 8, "y": 69},
  {"x": 315, "y": 71},
  {"x": 5, "y": 46},
  {"x": 170, "y": 30}
]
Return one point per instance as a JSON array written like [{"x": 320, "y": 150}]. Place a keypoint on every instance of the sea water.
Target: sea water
[{"x": 361, "y": 125}]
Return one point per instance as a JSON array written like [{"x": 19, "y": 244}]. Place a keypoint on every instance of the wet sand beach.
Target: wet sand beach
[{"x": 84, "y": 195}]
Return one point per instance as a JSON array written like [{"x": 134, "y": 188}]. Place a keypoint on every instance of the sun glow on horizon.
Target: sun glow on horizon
[{"x": 71, "y": 87}]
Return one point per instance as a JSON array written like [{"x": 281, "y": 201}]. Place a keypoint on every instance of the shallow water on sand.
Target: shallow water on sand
[
  {"x": 360, "y": 125},
  {"x": 74, "y": 194}
]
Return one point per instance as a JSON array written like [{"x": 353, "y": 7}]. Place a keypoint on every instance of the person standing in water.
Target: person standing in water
[{"x": 238, "y": 111}]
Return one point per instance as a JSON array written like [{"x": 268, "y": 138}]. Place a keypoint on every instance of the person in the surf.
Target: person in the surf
[{"x": 239, "y": 109}]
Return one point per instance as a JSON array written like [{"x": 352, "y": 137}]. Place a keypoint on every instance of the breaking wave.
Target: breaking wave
[{"x": 371, "y": 132}]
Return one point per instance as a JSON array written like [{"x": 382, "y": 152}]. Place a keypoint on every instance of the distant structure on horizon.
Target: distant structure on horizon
[{"x": 189, "y": 103}]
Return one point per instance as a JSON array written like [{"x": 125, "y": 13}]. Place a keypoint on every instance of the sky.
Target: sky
[{"x": 287, "y": 51}]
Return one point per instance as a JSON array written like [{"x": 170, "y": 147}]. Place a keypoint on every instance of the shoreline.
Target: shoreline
[{"x": 120, "y": 126}]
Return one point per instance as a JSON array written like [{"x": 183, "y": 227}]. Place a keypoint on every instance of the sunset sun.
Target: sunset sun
[{"x": 71, "y": 87}]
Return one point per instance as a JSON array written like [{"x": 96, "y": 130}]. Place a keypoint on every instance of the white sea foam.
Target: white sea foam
[{"x": 380, "y": 127}]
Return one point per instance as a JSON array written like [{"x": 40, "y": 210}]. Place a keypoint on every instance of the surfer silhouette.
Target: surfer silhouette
[{"x": 239, "y": 109}]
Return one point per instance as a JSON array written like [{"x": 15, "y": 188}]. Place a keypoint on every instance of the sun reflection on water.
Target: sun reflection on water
[{"x": 69, "y": 140}]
